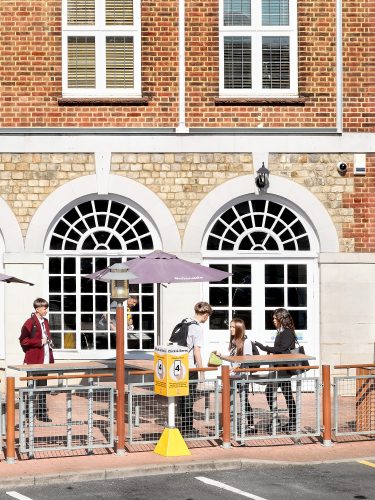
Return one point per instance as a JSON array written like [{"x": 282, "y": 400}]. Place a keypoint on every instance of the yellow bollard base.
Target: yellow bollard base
[{"x": 171, "y": 444}]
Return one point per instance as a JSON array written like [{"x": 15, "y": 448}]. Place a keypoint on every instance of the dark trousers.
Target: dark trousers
[
  {"x": 186, "y": 403},
  {"x": 244, "y": 392},
  {"x": 286, "y": 389}
]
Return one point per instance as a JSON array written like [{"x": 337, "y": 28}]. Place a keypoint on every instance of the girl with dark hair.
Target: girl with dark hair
[{"x": 284, "y": 342}]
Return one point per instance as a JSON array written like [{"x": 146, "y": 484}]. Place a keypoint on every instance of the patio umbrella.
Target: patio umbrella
[
  {"x": 12, "y": 279},
  {"x": 161, "y": 267}
]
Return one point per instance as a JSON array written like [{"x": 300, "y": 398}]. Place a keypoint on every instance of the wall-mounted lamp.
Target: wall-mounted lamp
[{"x": 262, "y": 178}]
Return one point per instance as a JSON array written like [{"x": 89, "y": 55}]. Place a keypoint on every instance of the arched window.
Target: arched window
[
  {"x": 90, "y": 236},
  {"x": 258, "y": 225},
  {"x": 270, "y": 249}
]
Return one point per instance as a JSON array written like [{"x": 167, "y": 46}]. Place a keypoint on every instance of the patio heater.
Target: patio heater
[{"x": 119, "y": 277}]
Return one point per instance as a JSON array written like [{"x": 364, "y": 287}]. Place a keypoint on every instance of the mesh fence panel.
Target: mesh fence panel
[
  {"x": 354, "y": 405},
  {"x": 275, "y": 408},
  {"x": 65, "y": 418},
  {"x": 196, "y": 415}
]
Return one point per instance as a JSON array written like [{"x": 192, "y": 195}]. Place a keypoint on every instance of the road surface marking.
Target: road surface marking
[
  {"x": 365, "y": 462},
  {"x": 14, "y": 494},
  {"x": 228, "y": 488}
]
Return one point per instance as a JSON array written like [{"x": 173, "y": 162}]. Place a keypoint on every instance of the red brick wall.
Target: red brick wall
[
  {"x": 362, "y": 201},
  {"x": 30, "y": 69}
]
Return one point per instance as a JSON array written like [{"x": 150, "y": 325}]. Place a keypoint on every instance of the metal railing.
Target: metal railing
[
  {"x": 148, "y": 412},
  {"x": 294, "y": 413},
  {"x": 248, "y": 407},
  {"x": 64, "y": 417},
  {"x": 354, "y": 400}
]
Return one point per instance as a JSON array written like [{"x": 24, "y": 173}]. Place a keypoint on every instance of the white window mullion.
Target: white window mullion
[
  {"x": 257, "y": 280},
  {"x": 257, "y": 62},
  {"x": 100, "y": 14},
  {"x": 100, "y": 56}
]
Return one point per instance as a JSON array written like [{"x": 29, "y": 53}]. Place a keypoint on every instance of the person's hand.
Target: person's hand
[{"x": 261, "y": 346}]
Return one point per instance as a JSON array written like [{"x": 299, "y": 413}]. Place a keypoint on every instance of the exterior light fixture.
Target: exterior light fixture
[
  {"x": 119, "y": 277},
  {"x": 262, "y": 178}
]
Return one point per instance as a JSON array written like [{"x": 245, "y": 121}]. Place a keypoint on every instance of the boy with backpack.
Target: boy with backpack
[{"x": 190, "y": 333}]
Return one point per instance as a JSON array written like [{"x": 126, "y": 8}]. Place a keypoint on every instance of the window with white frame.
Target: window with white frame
[
  {"x": 258, "y": 48},
  {"x": 89, "y": 237},
  {"x": 101, "y": 48},
  {"x": 270, "y": 250}
]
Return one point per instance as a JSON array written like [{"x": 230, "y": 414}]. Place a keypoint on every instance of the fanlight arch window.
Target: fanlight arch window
[
  {"x": 258, "y": 226},
  {"x": 101, "y": 225},
  {"x": 90, "y": 236}
]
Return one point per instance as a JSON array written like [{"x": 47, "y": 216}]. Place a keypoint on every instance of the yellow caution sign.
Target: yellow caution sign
[{"x": 171, "y": 371}]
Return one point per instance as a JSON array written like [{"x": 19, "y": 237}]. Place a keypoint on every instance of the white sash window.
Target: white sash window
[
  {"x": 258, "y": 48},
  {"x": 101, "y": 48}
]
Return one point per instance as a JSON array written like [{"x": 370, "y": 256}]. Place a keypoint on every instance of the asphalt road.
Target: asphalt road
[{"x": 344, "y": 481}]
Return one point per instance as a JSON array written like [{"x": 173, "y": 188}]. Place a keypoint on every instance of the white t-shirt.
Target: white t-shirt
[
  {"x": 247, "y": 351},
  {"x": 44, "y": 336},
  {"x": 194, "y": 339}
]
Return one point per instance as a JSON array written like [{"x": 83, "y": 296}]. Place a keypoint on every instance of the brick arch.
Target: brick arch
[
  {"x": 121, "y": 188},
  {"x": 281, "y": 189}
]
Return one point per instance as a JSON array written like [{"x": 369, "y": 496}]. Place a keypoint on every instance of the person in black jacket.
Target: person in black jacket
[{"x": 284, "y": 342}]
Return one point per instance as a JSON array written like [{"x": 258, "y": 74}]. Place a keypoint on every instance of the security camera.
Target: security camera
[{"x": 342, "y": 167}]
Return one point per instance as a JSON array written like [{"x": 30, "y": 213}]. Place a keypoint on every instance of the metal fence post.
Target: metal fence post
[
  {"x": 225, "y": 406},
  {"x": 11, "y": 421},
  {"x": 327, "y": 427}
]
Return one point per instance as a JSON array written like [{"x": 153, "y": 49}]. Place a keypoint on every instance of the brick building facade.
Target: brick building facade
[{"x": 182, "y": 153}]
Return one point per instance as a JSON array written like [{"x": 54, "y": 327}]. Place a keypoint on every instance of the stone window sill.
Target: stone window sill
[
  {"x": 260, "y": 101},
  {"x": 102, "y": 101}
]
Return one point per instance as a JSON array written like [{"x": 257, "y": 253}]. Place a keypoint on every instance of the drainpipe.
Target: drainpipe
[
  {"x": 181, "y": 129},
  {"x": 339, "y": 68}
]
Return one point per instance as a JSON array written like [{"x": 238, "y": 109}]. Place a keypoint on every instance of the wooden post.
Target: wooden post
[
  {"x": 326, "y": 376},
  {"x": 120, "y": 379},
  {"x": 10, "y": 433},
  {"x": 225, "y": 406}
]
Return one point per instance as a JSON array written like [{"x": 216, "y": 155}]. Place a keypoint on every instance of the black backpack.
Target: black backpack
[{"x": 180, "y": 332}]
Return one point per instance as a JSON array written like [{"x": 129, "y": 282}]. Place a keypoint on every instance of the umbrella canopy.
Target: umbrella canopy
[
  {"x": 12, "y": 279},
  {"x": 162, "y": 267}
]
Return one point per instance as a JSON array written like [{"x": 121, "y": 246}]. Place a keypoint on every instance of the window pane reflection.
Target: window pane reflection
[
  {"x": 219, "y": 320},
  {"x": 241, "y": 274},
  {"x": 274, "y": 297},
  {"x": 297, "y": 274},
  {"x": 241, "y": 297},
  {"x": 219, "y": 296},
  {"x": 274, "y": 274},
  {"x": 300, "y": 319},
  {"x": 246, "y": 316},
  {"x": 297, "y": 297}
]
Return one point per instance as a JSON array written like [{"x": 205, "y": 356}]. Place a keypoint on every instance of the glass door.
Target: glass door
[{"x": 256, "y": 288}]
